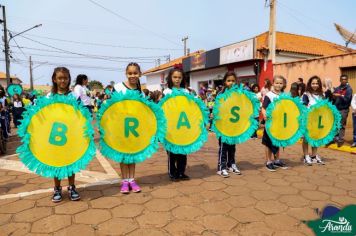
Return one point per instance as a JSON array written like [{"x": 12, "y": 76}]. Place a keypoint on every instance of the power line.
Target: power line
[
  {"x": 301, "y": 22},
  {"x": 301, "y": 13},
  {"x": 19, "y": 61},
  {"x": 105, "y": 45},
  {"x": 106, "y": 58},
  {"x": 148, "y": 58},
  {"x": 84, "y": 28},
  {"x": 79, "y": 57},
  {"x": 131, "y": 22},
  {"x": 61, "y": 52},
  {"x": 20, "y": 48}
]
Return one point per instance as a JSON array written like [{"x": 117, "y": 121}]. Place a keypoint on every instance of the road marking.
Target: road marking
[{"x": 90, "y": 178}]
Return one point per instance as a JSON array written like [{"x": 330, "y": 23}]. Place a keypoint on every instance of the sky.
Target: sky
[{"x": 100, "y": 37}]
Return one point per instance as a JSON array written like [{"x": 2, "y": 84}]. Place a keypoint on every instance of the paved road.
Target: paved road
[{"x": 257, "y": 203}]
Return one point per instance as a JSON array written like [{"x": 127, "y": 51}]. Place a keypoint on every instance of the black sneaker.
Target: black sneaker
[
  {"x": 73, "y": 194},
  {"x": 280, "y": 164},
  {"x": 57, "y": 194},
  {"x": 184, "y": 177},
  {"x": 174, "y": 178},
  {"x": 270, "y": 167}
]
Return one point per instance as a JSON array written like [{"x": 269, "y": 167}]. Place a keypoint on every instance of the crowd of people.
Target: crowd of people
[{"x": 309, "y": 94}]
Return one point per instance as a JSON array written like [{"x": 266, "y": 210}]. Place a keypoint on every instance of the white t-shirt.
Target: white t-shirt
[
  {"x": 312, "y": 98},
  {"x": 169, "y": 91},
  {"x": 18, "y": 104},
  {"x": 271, "y": 95},
  {"x": 82, "y": 92},
  {"x": 50, "y": 94},
  {"x": 2, "y": 100},
  {"x": 121, "y": 87}
]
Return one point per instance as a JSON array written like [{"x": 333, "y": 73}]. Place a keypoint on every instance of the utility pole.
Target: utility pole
[
  {"x": 272, "y": 32},
  {"x": 31, "y": 77},
  {"x": 185, "y": 44},
  {"x": 6, "y": 44}
]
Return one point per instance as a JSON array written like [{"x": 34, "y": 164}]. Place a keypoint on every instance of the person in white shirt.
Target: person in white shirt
[
  {"x": 17, "y": 110},
  {"x": 81, "y": 92}
]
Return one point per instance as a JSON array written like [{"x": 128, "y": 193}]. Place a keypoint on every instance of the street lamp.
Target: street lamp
[
  {"x": 6, "y": 42},
  {"x": 33, "y": 27}
]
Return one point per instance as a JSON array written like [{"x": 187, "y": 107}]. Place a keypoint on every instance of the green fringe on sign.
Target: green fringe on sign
[
  {"x": 130, "y": 158},
  {"x": 27, "y": 157},
  {"x": 299, "y": 133},
  {"x": 254, "y": 123},
  {"x": 335, "y": 127},
  {"x": 199, "y": 142}
]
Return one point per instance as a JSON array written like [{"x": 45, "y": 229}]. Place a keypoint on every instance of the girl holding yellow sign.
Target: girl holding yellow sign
[
  {"x": 133, "y": 73},
  {"x": 176, "y": 162},
  {"x": 130, "y": 126},
  {"x": 187, "y": 117},
  {"x": 313, "y": 94},
  {"x": 234, "y": 122},
  {"x": 227, "y": 151},
  {"x": 322, "y": 120},
  {"x": 61, "y": 82},
  {"x": 272, "y": 151},
  {"x": 57, "y": 136}
]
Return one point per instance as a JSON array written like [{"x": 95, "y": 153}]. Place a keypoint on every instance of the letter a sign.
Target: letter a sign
[{"x": 186, "y": 118}]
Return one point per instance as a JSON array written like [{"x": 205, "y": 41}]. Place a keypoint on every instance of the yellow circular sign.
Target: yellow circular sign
[
  {"x": 57, "y": 135},
  {"x": 234, "y": 115},
  {"x": 320, "y": 122},
  {"x": 128, "y": 126},
  {"x": 284, "y": 120},
  {"x": 184, "y": 120}
]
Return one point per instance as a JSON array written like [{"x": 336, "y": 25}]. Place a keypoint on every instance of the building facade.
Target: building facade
[{"x": 248, "y": 58}]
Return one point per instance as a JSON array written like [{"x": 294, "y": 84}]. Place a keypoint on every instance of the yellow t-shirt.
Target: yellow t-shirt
[{"x": 26, "y": 101}]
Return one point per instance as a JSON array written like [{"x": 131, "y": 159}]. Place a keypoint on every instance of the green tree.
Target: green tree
[{"x": 94, "y": 84}]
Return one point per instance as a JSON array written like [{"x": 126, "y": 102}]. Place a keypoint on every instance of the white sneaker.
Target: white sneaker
[
  {"x": 318, "y": 160},
  {"x": 234, "y": 169},
  {"x": 307, "y": 160},
  {"x": 223, "y": 173}
]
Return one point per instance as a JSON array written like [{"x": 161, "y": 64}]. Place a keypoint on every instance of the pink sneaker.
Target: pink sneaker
[
  {"x": 134, "y": 187},
  {"x": 125, "y": 187}
]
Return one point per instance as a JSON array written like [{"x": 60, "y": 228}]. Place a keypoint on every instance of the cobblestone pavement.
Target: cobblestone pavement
[{"x": 256, "y": 203}]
